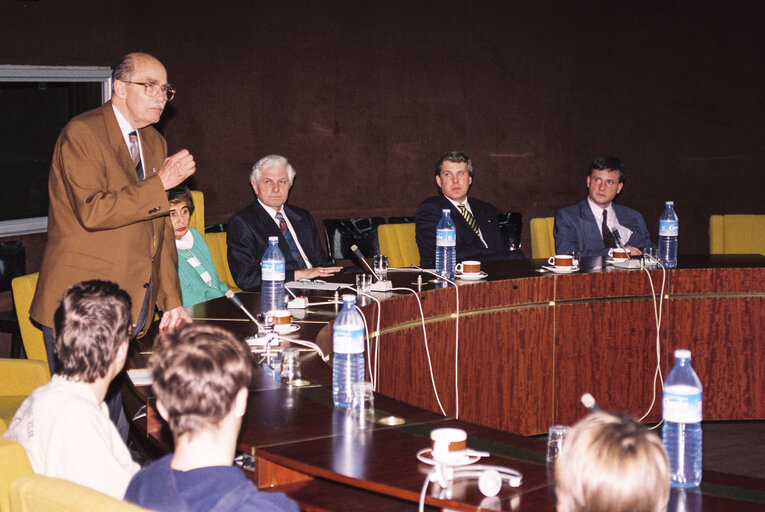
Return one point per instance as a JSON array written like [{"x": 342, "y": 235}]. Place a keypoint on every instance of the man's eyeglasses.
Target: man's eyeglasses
[{"x": 153, "y": 89}]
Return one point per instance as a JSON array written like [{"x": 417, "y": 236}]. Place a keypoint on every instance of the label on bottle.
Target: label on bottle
[
  {"x": 681, "y": 404},
  {"x": 446, "y": 238},
  {"x": 272, "y": 270},
  {"x": 668, "y": 227},
  {"x": 348, "y": 341}
]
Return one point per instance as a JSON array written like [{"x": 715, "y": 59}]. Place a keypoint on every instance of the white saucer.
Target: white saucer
[
  {"x": 286, "y": 329},
  {"x": 472, "y": 277},
  {"x": 469, "y": 458},
  {"x": 560, "y": 270}
]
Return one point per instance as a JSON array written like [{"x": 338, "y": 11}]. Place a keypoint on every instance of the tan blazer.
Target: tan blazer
[{"x": 103, "y": 223}]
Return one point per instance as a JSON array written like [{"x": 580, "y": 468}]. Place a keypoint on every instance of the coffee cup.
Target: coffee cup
[
  {"x": 620, "y": 254},
  {"x": 448, "y": 445},
  {"x": 469, "y": 267},
  {"x": 561, "y": 260},
  {"x": 282, "y": 319}
]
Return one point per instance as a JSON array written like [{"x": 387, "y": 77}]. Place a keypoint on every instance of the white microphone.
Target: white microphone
[
  {"x": 381, "y": 285},
  {"x": 238, "y": 303}
]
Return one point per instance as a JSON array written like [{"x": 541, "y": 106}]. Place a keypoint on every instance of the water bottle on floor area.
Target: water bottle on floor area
[
  {"x": 446, "y": 246},
  {"x": 681, "y": 411},
  {"x": 272, "y": 277},
  {"x": 348, "y": 346},
  {"x": 669, "y": 226}
]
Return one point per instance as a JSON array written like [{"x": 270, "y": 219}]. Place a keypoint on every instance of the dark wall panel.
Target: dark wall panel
[{"x": 364, "y": 96}]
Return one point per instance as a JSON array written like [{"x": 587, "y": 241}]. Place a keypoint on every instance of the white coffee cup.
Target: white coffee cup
[
  {"x": 448, "y": 445},
  {"x": 469, "y": 267},
  {"x": 561, "y": 260},
  {"x": 282, "y": 319},
  {"x": 620, "y": 254}
]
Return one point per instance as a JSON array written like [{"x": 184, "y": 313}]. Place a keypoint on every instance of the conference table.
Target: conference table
[{"x": 511, "y": 355}]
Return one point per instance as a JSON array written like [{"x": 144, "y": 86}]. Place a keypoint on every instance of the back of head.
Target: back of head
[
  {"x": 611, "y": 463},
  {"x": 90, "y": 324},
  {"x": 197, "y": 372}
]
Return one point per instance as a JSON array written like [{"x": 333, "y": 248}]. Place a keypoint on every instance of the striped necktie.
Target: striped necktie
[
  {"x": 469, "y": 218},
  {"x": 290, "y": 241},
  {"x": 135, "y": 154}
]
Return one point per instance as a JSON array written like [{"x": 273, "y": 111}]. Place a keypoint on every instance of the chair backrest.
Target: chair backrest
[
  {"x": 398, "y": 242},
  {"x": 737, "y": 234},
  {"x": 13, "y": 263},
  {"x": 38, "y": 493},
  {"x": 13, "y": 464},
  {"x": 18, "y": 378},
  {"x": 401, "y": 220},
  {"x": 23, "y": 291},
  {"x": 219, "y": 252},
  {"x": 341, "y": 234},
  {"x": 197, "y": 220},
  {"x": 542, "y": 240},
  {"x": 510, "y": 227}
]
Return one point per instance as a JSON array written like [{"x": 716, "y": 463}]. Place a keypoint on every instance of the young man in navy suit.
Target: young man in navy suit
[
  {"x": 248, "y": 230},
  {"x": 587, "y": 227},
  {"x": 478, "y": 235}
]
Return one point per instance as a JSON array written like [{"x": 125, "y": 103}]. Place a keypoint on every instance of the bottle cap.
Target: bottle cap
[
  {"x": 670, "y": 203},
  {"x": 682, "y": 353},
  {"x": 349, "y": 297},
  {"x": 273, "y": 239}
]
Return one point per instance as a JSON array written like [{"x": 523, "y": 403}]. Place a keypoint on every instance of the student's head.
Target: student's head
[
  {"x": 92, "y": 328},
  {"x": 611, "y": 463},
  {"x": 200, "y": 374},
  {"x": 605, "y": 180}
]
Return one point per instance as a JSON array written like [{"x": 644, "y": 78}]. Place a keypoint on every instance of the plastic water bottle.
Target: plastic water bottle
[
  {"x": 446, "y": 246},
  {"x": 668, "y": 228},
  {"x": 272, "y": 277},
  {"x": 681, "y": 410},
  {"x": 348, "y": 347}
]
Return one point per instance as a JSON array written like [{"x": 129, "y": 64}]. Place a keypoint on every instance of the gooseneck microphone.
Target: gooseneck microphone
[
  {"x": 589, "y": 402},
  {"x": 360, "y": 257},
  {"x": 381, "y": 285},
  {"x": 618, "y": 238},
  {"x": 238, "y": 303}
]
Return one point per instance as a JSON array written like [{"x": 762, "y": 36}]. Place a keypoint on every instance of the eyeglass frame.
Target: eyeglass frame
[{"x": 167, "y": 88}]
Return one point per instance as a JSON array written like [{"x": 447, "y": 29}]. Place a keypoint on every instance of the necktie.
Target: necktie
[
  {"x": 469, "y": 218},
  {"x": 135, "y": 154},
  {"x": 608, "y": 237},
  {"x": 290, "y": 241}
]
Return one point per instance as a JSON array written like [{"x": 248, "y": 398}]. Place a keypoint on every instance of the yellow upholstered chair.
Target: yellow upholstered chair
[
  {"x": 23, "y": 291},
  {"x": 197, "y": 220},
  {"x": 218, "y": 250},
  {"x": 737, "y": 234},
  {"x": 542, "y": 240},
  {"x": 18, "y": 378},
  {"x": 37, "y": 493},
  {"x": 13, "y": 464},
  {"x": 398, "y": 243}
]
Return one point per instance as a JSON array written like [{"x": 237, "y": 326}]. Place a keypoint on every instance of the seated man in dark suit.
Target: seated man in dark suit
[
  {"x": 478, "y": 236},
  {"x": 587, "y": 226},
  {"x": 248, "y": 230}
]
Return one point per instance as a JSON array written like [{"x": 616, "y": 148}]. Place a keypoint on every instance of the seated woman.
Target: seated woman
[{"x": 196, "y": 270}]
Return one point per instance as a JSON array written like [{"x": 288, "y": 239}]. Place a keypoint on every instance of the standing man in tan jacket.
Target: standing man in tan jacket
[{"x": 108, "y": 216}]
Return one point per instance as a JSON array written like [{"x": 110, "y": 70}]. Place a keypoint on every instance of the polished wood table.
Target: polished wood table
[{"x": 530, "y": 343}]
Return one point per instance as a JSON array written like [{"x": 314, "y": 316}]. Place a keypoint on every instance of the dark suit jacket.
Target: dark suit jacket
[
  {"x": 103, "y": 223},
  {"x": 576, "y": 230},
  {"x": 247, "y": 237},
  {"x": 469, "y": 245}
]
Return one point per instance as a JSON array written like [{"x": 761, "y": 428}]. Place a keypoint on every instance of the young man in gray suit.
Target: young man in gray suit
[{"x": 588, "y": 226}]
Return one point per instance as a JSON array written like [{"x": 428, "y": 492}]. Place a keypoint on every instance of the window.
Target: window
[{"x": 36, "y": 102}]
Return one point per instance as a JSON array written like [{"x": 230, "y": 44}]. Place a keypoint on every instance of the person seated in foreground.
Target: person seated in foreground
[
  {"x": 196, "y": 270},
  {"x": 200, "y": 378},
  {"x": 587, "y": 226},
  {"x": 611, "y": 463},
  {"x": 475, "y": 221},
  {"x": 64, "y": 425},
  {"x": 248, "y": 230}
]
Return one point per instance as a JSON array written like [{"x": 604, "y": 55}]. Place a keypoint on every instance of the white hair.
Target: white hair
[{"x": 268, "y": 162}]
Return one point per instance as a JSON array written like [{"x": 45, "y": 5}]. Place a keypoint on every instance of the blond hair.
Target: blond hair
[{"x": 611, "y": 463}]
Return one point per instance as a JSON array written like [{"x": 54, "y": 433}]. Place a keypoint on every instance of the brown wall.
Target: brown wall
[{"x": 362, "y": 97}]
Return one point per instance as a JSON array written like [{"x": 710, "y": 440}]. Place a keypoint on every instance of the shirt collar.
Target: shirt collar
[{"x": 125, "y": 127}]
